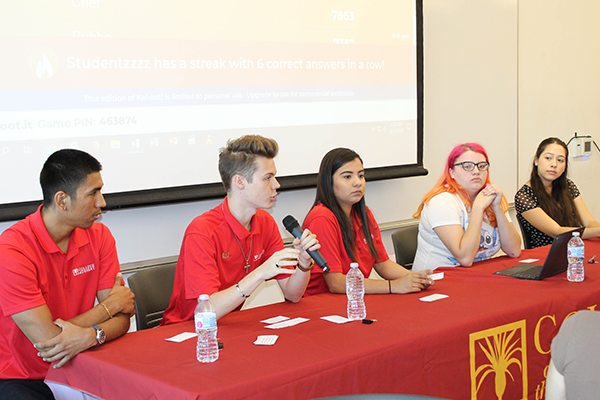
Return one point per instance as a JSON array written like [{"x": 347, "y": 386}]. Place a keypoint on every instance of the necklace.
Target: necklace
[
  {"x": 244, "y": 254},
  {"x": 246, "y": 258}
]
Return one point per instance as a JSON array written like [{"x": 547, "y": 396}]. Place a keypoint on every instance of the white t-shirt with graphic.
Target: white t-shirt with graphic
[{"x": 448, "y": 209}]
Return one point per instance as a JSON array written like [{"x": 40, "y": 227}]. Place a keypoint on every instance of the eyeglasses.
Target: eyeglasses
[{"x": 470, "y": 165}]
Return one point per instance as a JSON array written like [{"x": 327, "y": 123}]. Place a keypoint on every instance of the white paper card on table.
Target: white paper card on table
[
  {"x": 529, "y": 260},
  {"x": 285, "y": 324},
  {"x": 275, "y": 320},
  {"x": 436, "y": 276},
  {"x": 181, "y": 337},
  {"x": 267, "y": 340},
  {"x": 433, "y": 297},
  {"x": 338, "y": 319}
]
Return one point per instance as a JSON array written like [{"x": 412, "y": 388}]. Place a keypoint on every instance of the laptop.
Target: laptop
[{"x": 556, "y": 261}]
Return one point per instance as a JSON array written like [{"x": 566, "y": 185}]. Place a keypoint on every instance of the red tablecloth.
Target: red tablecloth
[{"x": 491, "y": 336}]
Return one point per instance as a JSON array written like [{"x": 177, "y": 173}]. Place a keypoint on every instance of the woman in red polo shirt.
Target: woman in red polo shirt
[{"x": 349, "y": 233}]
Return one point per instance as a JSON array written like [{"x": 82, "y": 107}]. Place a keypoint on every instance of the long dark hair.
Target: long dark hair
[
  {"x": 559, "y": 204},
  {"x": 333, "y": 161}
]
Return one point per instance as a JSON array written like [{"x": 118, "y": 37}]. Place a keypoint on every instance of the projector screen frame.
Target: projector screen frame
[{"x": 199, "y": 192}]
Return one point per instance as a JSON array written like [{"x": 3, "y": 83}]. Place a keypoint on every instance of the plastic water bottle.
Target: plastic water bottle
[
  {"x": 575, "y": 257},
  {"x": 355, "y": 290},
  {"x": 205, "y": 318}
]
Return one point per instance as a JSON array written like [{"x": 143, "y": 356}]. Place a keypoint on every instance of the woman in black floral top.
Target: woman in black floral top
[{"x": 549, "y": 203}]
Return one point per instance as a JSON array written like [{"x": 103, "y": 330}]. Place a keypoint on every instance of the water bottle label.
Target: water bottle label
[
  {"x": 205, "y": 320},
  {"x": 576, "y": 252}
]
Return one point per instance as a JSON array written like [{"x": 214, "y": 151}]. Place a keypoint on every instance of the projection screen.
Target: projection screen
[{"x": 153, "y": 89}]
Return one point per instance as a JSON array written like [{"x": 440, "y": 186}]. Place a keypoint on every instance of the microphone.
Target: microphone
[{"x": 294, "y": 228}]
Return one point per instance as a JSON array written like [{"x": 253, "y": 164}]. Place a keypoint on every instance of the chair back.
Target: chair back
[
  {"x": 153, "y": 288},
  {"x": 525, "y": 235},
  {"x": 405, "y": 245}
]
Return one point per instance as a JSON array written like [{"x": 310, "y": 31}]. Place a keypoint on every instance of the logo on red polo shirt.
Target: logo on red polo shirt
[
  {"x": 258, "y": 256},
  {"x": 83, "y": 270}
]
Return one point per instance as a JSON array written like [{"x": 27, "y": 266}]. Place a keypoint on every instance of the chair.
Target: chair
[
  {"x": 381, "y": 397},
  {"x": 152, "y": 288},
  {"x": 405, "y": 245},
  {"x": 525, "y": 235}
]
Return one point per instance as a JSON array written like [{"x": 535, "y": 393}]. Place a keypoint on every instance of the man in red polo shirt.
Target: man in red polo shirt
[
  {"x": 230, "y": 250},
  {"x": 55, "y": 263}
]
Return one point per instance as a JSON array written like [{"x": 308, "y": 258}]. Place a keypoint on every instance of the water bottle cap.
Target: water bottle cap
[
  {"x": 575, "y": 234},
  {"x": 203, "y": 297},
  {"x": 353, "y": 265}
]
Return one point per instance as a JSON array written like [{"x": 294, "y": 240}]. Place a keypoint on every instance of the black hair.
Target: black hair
[
  {"x": 64, "y": 171},
  {"x": 333, "y": 161},
  {"x": 559, "y": 203}
]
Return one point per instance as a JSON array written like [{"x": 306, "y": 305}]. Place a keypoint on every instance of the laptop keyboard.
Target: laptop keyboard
[{"x": 531, "y": 273}]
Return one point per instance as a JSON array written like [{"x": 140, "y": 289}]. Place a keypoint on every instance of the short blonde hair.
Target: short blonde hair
[{"x": 239, "y": 156}]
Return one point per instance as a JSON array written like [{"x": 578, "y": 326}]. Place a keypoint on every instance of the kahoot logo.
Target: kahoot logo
[
  {"x": 498, "y": 354},
  {"x": 43, "y": 62}
]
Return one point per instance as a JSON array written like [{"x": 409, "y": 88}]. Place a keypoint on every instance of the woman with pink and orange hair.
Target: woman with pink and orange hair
[{"x": 464, "y": 218}]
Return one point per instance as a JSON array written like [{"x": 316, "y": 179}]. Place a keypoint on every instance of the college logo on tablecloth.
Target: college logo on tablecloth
[{"x": 499, "y": 360}]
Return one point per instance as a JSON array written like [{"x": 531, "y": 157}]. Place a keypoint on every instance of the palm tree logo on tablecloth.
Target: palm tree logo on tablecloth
[{"x": 499, "y": 352}]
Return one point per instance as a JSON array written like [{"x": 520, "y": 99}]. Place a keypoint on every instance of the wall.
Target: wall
[
  {"x": 505, "y": 73},
  {"x": 559, "y": 84}
]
